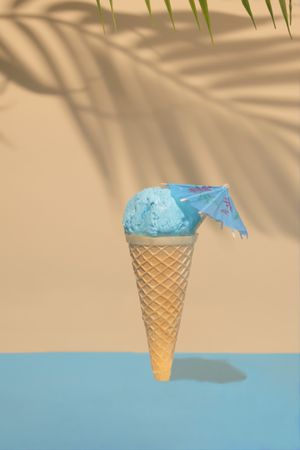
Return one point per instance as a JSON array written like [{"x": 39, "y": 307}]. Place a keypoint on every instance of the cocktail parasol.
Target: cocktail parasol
[{"x": 212, "y": 201}]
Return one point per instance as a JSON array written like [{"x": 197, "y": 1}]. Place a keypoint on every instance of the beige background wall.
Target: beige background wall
[{"x": 86, "y": 120}]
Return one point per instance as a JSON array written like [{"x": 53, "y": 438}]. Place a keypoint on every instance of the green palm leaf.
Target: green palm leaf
[
  {"x": 113, "y": 14},
  {"x": 100, "y": 15},
  {"x": 148, "y": 4},
  {"x": 205, "y": 12},
  {"x": 248, "y": 9},
  {"x": 194, "y": 9},
  {"x": 286, "y": 12},
  {"x": 169, "y": 8},
  {"x": 269, "y": 5},
  {"x": 285, "y": 15}
]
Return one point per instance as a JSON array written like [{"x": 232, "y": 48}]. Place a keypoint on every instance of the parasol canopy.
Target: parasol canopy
[{"x": 212, "y": 201}]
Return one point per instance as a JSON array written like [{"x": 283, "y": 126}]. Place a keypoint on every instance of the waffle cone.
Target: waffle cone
[{"x": 161, "y": 266}]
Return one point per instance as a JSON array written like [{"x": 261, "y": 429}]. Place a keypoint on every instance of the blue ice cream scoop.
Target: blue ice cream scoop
[{"x": 156, "y": 212}]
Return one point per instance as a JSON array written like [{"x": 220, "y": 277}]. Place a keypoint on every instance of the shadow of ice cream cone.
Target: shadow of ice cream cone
[{"x": 206, "y": 370}]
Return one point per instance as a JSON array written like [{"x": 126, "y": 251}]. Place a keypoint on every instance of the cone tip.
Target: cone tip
[{"x": 162, "y": 376}]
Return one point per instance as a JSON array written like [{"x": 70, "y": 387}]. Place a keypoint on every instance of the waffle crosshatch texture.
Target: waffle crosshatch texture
[{"x": 162, "y": 273}]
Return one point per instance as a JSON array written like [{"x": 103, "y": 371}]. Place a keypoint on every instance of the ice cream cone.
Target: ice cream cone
[{"x": 161, "y": 266}]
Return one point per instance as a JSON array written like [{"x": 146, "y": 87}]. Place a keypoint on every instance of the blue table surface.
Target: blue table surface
[{"x": 109, "y": 401}]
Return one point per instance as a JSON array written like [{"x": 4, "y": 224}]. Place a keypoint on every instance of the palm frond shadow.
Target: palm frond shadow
[
  {"x": 3, "y": 138},
  {"x": 191, "y": 99}
]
